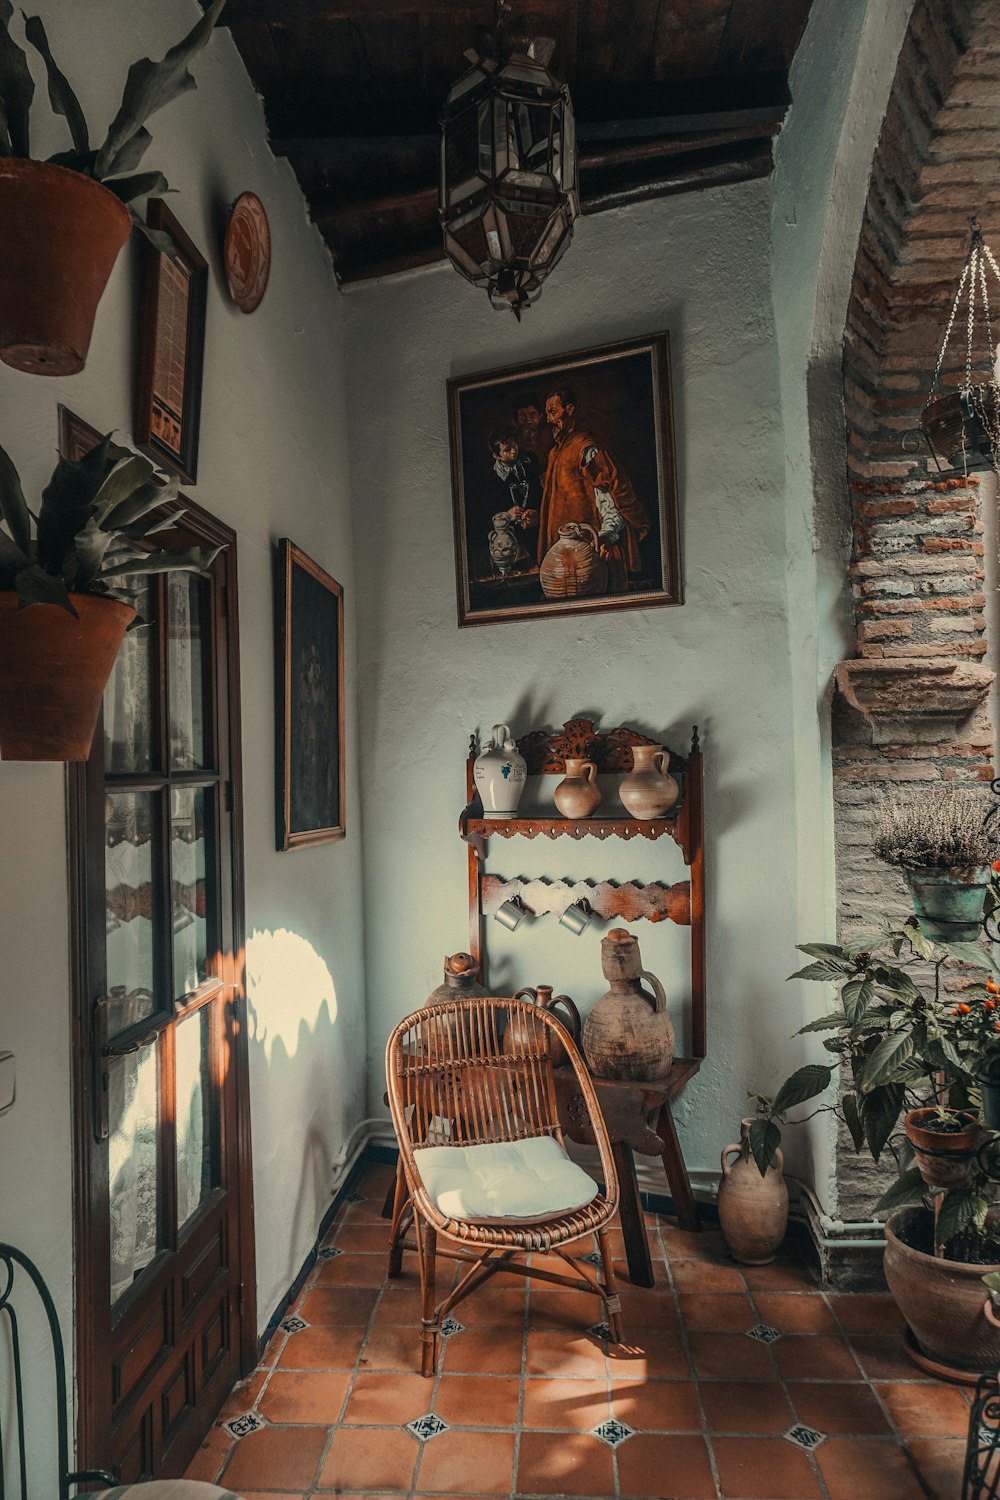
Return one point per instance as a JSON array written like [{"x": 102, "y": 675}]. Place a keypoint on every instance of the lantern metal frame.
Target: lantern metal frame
[{"x": 509, "y": 192}]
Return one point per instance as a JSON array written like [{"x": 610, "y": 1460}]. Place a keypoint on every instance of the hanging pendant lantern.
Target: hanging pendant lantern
[
  {"x": 962, "y": 426},
  {"x": 509, "y": 191}
]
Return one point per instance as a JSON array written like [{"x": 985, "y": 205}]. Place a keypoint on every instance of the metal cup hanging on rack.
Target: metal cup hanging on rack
[{"x": 962, "y": 426}]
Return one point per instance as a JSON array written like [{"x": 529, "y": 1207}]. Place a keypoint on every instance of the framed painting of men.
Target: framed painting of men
[
  {"x": 310, "y": 690},
  {"x": 564, "y": 485}
]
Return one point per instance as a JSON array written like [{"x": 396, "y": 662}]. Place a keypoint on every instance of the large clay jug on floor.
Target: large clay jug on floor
[
  {"x": 753, "y": 1210},
  {"x": 628, "y": 1034}
]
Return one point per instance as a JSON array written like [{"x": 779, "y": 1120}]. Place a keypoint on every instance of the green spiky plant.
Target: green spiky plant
[
  {"x": 90, "y": 529},
  {"x": 149, "y": 86}
]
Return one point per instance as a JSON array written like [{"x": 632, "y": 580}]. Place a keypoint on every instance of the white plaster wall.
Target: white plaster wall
[
  {"x": 699, "y": 267},
  {"x": 273, "y": 462}
]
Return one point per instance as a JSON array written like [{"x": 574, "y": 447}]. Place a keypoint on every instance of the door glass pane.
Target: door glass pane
[
  {"x": 194, "y": 1139},
  {"x": 129, "y": 848},
  {"x": 188, "y": 859},
  {"x": 188, "y": 626},
  {"x": 128, "y": 697},
  {"x": 133, "y": 1165}
]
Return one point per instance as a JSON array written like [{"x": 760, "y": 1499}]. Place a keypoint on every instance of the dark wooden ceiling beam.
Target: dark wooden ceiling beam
[{"x": 301, "y": 12}]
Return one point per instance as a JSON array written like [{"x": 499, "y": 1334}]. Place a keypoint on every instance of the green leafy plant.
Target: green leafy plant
[
  {"x": 90, "y": 530},
  {"x": 149, "y": 86},
  {"x": 901, "y": 1047},
  {"x": 943, "y": 831}
]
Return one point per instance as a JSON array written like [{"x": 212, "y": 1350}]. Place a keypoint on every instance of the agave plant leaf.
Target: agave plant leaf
[
  {"x": 150, "y": 85},
  {"x": 91, "y": 546},
  {"x": 61, "y": 96},
  {"x": 66, "y": 504},
  {"x": 74, "y": 160},
  {"x": 17, "y": 87},
  {"x": 184, "y": 559},
  {"x": 12, "y": 560},
  {"x": 13, "y": 506},
  {"x": 5, "y": 148},
  {"x": 36, "y": 586},
  {"x": 158, "y": 238},
  {"x": 145, "y": 528},
  {"x": 149, "y": 497},
  {"x": 131, "y": 153},
  {"x": 122, "y": 482},
  {"x": 142, "y": 185}
]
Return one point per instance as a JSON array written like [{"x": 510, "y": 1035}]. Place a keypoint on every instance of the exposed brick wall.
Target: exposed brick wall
[{"x": 917, "y": 571}]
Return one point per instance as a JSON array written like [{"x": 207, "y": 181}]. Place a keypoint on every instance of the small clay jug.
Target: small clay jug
[
  {"x": 518, "y": 1035},
  {"x": 649, "y": 790},
  {"x": 753, "y": 1210},
  {"x": 628, "y": 1034},
  {"x": 577, "y": 794},
  {"x": 573, "y": 567}
]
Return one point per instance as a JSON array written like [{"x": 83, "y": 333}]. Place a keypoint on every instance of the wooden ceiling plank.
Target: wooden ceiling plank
[{"x": 695, "y": 177}]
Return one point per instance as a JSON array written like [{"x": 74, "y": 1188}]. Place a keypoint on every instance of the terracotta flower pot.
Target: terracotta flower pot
[
  {"x": 61, "y": 236},
  {"x": 941, "y": 1300},
  {"x": 53, "y": 671},
  {"x": 944, "y": 1157}
]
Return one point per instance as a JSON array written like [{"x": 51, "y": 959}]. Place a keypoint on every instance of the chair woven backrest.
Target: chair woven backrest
[{"x": 453, "y": 1082}]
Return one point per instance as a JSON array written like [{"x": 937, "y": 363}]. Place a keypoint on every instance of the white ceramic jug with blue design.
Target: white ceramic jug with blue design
[{"x": 499, "y": 773}]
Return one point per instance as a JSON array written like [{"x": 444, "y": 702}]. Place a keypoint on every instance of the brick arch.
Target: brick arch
[{"x": 911, "y": 709}]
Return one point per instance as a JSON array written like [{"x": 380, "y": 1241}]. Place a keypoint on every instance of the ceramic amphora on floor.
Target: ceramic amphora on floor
[{"x": 753, "y": 1210}]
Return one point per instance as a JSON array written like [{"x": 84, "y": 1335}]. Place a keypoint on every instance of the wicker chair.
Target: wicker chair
[{"x": 452, "y": 1084}]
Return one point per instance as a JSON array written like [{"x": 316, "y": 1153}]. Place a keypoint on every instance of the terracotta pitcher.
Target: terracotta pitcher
[
  {"x": 649, "y": 790},
  {"x": 753, "y": 1210},
  {"x": 628, "y": 1034},
  {"x": 573, "y": 567},
  {"x": 577, "y": 794},
  {"x": 518, "y": 1034}
]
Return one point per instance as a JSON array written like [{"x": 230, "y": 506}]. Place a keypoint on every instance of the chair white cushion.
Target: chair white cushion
[
  {"x": 166, "y": 1489},
  {"x": 531, "y": 1179}
]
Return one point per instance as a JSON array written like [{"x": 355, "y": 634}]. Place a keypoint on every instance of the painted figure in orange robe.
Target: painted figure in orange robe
[{"x": 584, "y": 483}]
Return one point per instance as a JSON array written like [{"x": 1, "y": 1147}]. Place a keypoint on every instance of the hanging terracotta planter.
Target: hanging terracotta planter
[
  {"x": 948, "y": 902},
  {"x": 53, "y": 671},
  {"x": 958, "y": 426},
  {"x": 944, "y": 1151},
  {"x": 61, "y": 236}
]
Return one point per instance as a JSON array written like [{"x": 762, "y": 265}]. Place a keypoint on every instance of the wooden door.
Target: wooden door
[{"x": 165, "y": 1288}]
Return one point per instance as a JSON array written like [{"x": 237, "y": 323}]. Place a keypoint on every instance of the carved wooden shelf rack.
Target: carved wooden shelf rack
[{"x": 545, "y": 752}]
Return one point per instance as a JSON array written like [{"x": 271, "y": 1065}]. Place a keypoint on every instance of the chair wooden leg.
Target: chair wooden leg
[
  {"x": 399, "y": 1201},
  {"x": 429, "y": 1328},
  {"x": 612, "y": 1301}
]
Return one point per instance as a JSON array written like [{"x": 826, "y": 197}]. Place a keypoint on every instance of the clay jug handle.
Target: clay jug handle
[
  {"x": 585, "y": 527},
  {"x": 658, "y": 990},
  {"x": 526, "y": 994},
  {"x": 660, "y": 759},
  {"x": 565, "y": 1003},
  {"x": 590, "y": 773},
  {"x": 727, "y": 1152},
  {"x": 501, "y": 734}
]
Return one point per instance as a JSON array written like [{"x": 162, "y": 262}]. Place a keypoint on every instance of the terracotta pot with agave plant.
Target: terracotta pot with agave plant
[
  {"x": 66, "y": 219},
  {"x": 63, "y": 607}
]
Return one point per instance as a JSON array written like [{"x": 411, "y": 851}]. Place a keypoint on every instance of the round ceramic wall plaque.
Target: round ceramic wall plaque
[{"x": 247, "y": 252}]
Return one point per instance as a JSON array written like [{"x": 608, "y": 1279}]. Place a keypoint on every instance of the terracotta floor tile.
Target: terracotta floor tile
[
  {"x": 305, "y": 1396},
  {"x": 731, "y": 1356},
  {"x": 272, "y": 1348},
  {"x": 717, "y": 1312},
  {"x": 349, "y": 1306},
  {"x": 458, "y": 1463},
  {"x": 569, "y": 1405},
  {"x": 656, "y": 1355},
  {"x": 670, "y": 1467},
  {"x": 684, "y": 1244},
  {"x": 706, "y": 1276},
  {"x": 276, "y": 1495},
  {"x": 478, "y": 1400},
  {"x": 322, "y": 1347},
  {"x": 368, "y": 1211},
  {"x": 737, "y": 1406},
  {"x": 243, "y": 1395},
  {"x": 647, "y": 1308},
  {"x": 352, "y": 1270},
  {"x": 392, "y": 1349},
  {"x": 399, "y": 1303},
  {"x": 388, "y": 1400},
  {"x": 940, "y": 1463},
  {"x": 364, "y": 1237},
  {"x": 867, "y": 1313},
  {"x": 838, "y": 1408},
  {"x": 884, "y": 1357},
  {"x": 815, "y": 1356},
  {"x": 878, "y": 1470},
  {"x": 796, "y": 1312},
  {"x": 576, "y": 1464},
  {"x": 276, "y": 1458},
  {"x": 936, "y": 1410},
  {"x": 376, "y": 1181},
  {"x": 558, "y": 1307},
  {"x": 657, "y": 1405},
  {"x": 483, "y": 1353},
  {"x": 554, "y": 1352},
  {"x": 661, "y": 1276},
  {"x": 360, "y": 1460},
  {"x": 767, "y": 1468},
  {"x": 782, "y": 1275},
  {"x": 210, "y": 1456}
]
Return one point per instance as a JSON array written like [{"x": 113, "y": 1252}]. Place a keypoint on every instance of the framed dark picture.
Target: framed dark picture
[
  {"x": 172, "y": 299},
  {"x": 563, "y": 485},
  {"x": 310, "y": 680}
]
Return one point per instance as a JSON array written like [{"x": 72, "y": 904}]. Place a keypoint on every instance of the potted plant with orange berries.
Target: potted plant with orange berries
[{"x": 976, "y": 1035}]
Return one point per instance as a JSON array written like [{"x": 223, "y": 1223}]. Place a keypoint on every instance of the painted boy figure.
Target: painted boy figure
[
  {"x": 584, "y": 483},
  {"x": 519, "y": 476}
]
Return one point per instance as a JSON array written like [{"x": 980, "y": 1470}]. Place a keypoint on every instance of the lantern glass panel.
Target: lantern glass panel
[
  {"x": 460, "y": 158},
  {"x": 532, "y": 128},
  {"x": 501, "y": 146}
]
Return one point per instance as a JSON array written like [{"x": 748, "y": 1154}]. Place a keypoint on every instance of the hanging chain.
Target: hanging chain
[
  {"x": 947, "y": 333},
  {"x": 973, "y": 274}
]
